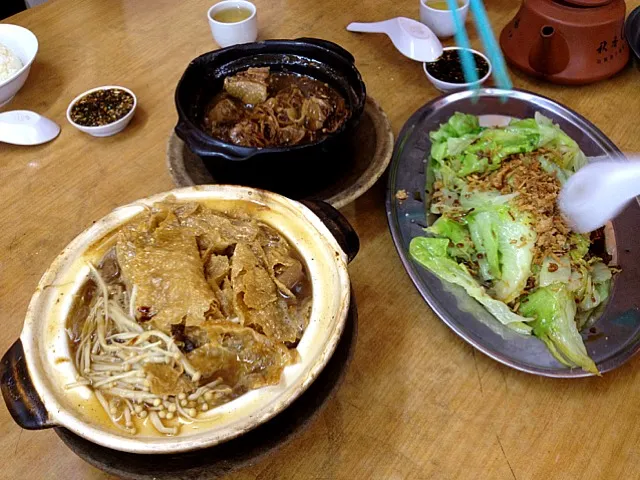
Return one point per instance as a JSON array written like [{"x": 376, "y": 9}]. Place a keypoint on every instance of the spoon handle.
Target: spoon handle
[{"x": 372, "y": 27}]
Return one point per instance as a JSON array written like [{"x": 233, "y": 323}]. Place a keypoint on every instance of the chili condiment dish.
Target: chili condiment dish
[{"x": 108, "y": 129}]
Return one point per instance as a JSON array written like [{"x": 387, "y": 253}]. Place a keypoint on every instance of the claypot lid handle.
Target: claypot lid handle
[{"x": 587, "y": 3}]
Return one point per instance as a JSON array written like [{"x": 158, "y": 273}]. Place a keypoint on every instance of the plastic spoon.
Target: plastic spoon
[
  {"x": 22, "y": 127},
  {"x": 412, "y": 38},
  {"x": 598, "y": 192}
]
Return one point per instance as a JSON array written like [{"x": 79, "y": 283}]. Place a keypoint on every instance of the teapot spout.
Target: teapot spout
[{"x": 550, "y": 54}]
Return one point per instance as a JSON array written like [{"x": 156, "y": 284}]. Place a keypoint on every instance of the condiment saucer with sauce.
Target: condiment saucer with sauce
[
  {"x": 366, "y": 157},
  {"x": 219, "y": 461}
]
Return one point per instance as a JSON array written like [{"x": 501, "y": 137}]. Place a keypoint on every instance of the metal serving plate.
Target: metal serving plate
[{"x": 614, "y": 338}]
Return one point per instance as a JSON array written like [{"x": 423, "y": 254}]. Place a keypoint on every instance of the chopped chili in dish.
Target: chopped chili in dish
[{"x": 101, "y": 107}]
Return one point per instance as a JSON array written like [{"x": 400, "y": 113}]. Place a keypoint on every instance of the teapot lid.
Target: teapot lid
[{"x": 587, "y": 3}]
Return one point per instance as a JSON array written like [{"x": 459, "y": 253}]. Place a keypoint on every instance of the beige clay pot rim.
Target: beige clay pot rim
[{"x": 43, "y": 330}]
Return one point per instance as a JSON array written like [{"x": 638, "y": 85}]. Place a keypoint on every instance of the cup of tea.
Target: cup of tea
[
  {"x": 233, "y": 22},
  {"x": 436, "y": 15}
]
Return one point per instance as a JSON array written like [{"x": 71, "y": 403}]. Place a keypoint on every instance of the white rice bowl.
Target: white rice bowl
[{"x": 9, "y": 63}]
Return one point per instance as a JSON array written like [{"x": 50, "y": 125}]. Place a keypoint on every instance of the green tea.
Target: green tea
[
  {"x": 232, "y": 15},
  {"x": 438, "y": 4}
]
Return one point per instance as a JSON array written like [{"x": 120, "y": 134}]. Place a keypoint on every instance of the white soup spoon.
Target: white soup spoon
[
  {"x": 598, "y": 192},
  {"x": 23, "y": 127},
  {"x": 412, "y": 38}
]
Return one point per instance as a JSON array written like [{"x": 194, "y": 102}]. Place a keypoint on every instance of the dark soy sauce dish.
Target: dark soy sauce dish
[{"x": 448, "y": 67}]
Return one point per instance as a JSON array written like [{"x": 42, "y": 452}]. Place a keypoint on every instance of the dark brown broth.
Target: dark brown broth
[{"x": 280, "y": 82}]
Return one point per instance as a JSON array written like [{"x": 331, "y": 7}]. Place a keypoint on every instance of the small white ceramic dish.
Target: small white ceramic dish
[
  {"x": 227, "y": 34},
  {"x": 441, "y": 21},
  {"x": 453, "y": 87},
  {"x": 23, "y": 44},
  {"x": 38, "y": 397},
  {"x": 110, "y": 128}
]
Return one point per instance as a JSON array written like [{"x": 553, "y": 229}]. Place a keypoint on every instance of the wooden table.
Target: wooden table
[{"x": 418, "y": 402}]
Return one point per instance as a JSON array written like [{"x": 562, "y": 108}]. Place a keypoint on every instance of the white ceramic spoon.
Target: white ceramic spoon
[
  {"x": 410, "y": 37},
  {"x": 599, "y": 191},
  {"x": 22, "y": 127}
]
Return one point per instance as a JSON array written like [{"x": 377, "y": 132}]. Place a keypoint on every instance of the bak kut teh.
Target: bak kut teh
[
  {"x": 261, "y": 108},
  {"x": 188, "y": 308}
]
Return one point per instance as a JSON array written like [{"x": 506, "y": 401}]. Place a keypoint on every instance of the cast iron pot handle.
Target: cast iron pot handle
[
  {"x": 337, "y": 224},
  {"x": 196, "y": 146},
  {"x": 334, "y": 47},
  {"x": 18, "y": 391}
]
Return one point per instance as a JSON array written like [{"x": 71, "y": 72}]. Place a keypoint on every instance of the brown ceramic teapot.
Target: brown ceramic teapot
[{"x": 567, "y": 41}]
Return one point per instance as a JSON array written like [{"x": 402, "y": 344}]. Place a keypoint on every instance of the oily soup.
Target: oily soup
[
  {"x": 260, "y": 108},
  {"x": 189, "y": 308}
]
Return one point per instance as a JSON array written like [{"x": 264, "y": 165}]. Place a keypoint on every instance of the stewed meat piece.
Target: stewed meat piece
[
  {"x": 262, "y": 109},
  {"x": 250, "y": 86}
]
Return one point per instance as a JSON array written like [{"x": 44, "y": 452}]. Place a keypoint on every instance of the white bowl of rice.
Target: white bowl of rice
[{"x": 18, "y": 48}]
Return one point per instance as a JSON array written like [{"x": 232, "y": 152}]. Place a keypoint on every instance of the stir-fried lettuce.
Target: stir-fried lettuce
[
  {"x": 554, "y": 310},
  {"x": 432, "y": 253},
  {"x": 531, "y": 273}
]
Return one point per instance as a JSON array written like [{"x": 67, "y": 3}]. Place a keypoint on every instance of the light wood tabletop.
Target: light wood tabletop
[{"x": 417, "y": 402}]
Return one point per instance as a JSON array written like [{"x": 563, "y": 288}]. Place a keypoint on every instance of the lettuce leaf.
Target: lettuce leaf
[
  {"x": 494, "y": 145},
  {"x": 482, "y": 227},
  {"x": 579, "y": 246},
  {"x": 554, "y": 271},
  {"x": 554, "y": 311},
  {"x": 461, "y": 246},
  {"x": 553, "y": 138},
  {"x": 459, "y": 124},
  {"x": 468, "y": 148},
  {"x": 432, "y": 254},
  {"x": 505, "y": 238}
]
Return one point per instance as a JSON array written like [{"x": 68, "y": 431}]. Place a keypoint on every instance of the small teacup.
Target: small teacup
[
  {"x": 441, "y": 21},
  {"x": 229, "y": 31}
]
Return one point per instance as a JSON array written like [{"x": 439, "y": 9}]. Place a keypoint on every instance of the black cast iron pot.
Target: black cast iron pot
[{"x": 290, "y": 170}]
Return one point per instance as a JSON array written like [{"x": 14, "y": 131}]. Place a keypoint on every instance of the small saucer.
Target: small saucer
[
  {"x": 219, "y": 461},
  {"x": 369, "y": 152}
]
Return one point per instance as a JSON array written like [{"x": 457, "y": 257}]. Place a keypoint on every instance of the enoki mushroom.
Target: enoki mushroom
[{"x": 110, "y": 358}]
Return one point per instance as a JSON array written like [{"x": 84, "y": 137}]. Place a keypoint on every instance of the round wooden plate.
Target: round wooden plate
[
  {"x": 368, "y": 154},
  {"x": 248, "y": 449}
]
